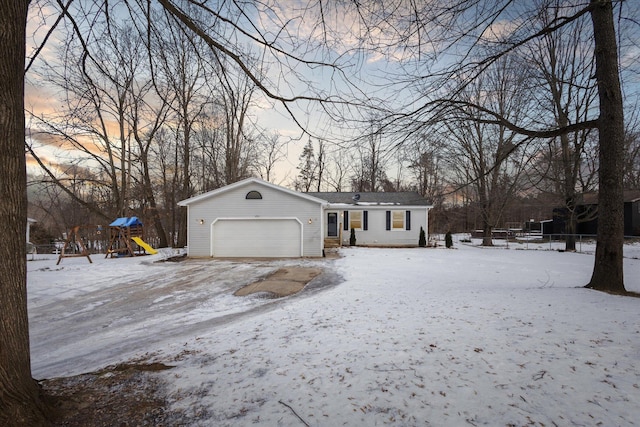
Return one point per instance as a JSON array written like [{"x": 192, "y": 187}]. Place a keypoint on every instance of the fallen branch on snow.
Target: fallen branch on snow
[{"x": 294, "y": 413}]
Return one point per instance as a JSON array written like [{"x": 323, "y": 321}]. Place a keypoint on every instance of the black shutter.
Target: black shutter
[
  {"x": 365, "y": 220},
  {"x": 407, "y": 223},
  {"x": 388, "y": 220},
  {"x": 345, "y": 226}
]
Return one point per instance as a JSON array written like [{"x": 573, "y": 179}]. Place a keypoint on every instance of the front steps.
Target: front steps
[{"x": 332, "y": 242}]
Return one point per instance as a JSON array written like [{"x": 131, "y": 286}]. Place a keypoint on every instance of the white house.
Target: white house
[
  {"x": 254, "y": 218},
  {"x": 379, "y": 219}
]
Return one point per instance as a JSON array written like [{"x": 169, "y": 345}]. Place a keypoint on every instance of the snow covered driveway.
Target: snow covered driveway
[
  {"x": 410, "y": 337},
  {"x": 83, "y": 316}
]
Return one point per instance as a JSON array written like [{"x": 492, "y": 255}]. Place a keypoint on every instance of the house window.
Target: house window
[
  {"x": 253, "y": 195},
  {"x": 355, "y": 220},
  {"x": 398, "y": 220}
]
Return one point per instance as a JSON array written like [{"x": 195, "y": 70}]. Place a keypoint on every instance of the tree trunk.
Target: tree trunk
[
  {"x": 153, "y": 205},
  {"x": 487, "y": 226},
  {"x": 20, "y": 401},
  {"x": 185, "y": 191},
  {"x": 485, "y": 204},
  {"x": 487, "y": 240},
  {"x": 608, "y": 268},
  {"x": 572, "y": 222}
]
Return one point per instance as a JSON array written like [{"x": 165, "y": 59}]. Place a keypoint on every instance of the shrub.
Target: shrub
[
  {"x": 448, "y": 240},
  {"x": 422, "y": 240},
  {"x": 352, "y": 238}
]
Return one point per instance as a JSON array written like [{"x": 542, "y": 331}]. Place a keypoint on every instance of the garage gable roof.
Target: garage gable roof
[{"x": 245, "y": 182}]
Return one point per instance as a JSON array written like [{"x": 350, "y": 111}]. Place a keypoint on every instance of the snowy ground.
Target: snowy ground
[{"x": 470, "y": 336}]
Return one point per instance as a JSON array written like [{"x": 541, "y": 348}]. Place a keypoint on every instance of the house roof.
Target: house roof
[
  {"x": 630, "y": 196},
  {"x": 400, "y": 198},
  {"x": 246, "y": 182}
]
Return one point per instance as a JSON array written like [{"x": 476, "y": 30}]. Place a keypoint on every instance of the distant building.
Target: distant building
[
  {"x": 29, "y": 222},
  {"x": 587, "y": 214},
  {"x": 31, "y": 248}
]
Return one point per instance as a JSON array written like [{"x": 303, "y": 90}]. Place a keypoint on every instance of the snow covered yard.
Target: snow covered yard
[{"x": 410, "y": 337}]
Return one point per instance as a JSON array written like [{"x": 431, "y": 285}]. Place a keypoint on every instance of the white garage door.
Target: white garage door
[{"x": 257, "y": 238}]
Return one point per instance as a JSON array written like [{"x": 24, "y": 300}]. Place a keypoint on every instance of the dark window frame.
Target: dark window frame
[{"x": 253, "y": 195}]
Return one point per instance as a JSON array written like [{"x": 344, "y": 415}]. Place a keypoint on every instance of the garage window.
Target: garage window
[{"x": 253, "y": 195}]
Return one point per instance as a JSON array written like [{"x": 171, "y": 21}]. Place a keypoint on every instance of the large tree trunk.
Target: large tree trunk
[
  {"x": 20, "y": 402},
  {"x": 608, "y": 270}
]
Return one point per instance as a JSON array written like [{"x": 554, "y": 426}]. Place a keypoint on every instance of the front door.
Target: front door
[{"x": 332, "y": 224}]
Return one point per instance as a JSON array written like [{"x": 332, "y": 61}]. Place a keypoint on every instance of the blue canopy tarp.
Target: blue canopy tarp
[{"x": 125, "y": 222}]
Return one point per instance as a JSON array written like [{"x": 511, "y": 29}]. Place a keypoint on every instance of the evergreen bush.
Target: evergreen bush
[
  {"x": 448, "y": 240},
  {"x": 352, "y": 238},
  {"x": 422, "y": 240}
]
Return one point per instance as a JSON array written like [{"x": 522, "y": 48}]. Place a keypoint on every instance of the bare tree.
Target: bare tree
[
  {"x": 569, "y": 95},
  {"x": 100, "y": 86},
  {"x": 370, "y": 170},
  {"x": 632, "y": 160},
  {"x": 208, "y": 159},
  {"x": 180, "y": 67},
  {"x": 418, "y": 34},
  {"x": 488, "y": 156},
  {"x": 271, "y": 151},
  {"x": 485, "y": 153},
  {"x": 164, "y": 151},
  {"x": 338, "y": 169},
  {"x": 147, "y": 121},
  {"x": 608, "y": 270},
  {"x": 235, "y": 94},
  {"x": 425, "y": 163}
]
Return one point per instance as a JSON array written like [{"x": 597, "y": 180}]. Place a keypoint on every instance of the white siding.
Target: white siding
[
  {"x": 377, "y": 233},
  {"x": 274, "y": 204}
]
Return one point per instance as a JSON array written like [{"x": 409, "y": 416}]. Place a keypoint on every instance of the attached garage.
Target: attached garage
[
  {"x": 254, "y": 218},
  {"x": 257, "y": 237}
]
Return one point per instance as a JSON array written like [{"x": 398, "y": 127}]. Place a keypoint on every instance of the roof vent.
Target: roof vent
[{"x": 356, "y": 197}]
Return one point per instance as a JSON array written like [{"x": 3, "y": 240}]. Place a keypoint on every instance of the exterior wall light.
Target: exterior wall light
[{"x": 201, "y": 221}]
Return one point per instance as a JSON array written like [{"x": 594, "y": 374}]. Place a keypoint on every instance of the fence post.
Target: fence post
[{"x": 580, "y": 242}]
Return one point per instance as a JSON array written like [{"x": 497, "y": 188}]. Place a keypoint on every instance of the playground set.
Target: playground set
[{"x": 125, "y": 239}]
